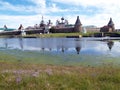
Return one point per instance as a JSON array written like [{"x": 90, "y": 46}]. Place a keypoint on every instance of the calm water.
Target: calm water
[{"x": 84, "y": 49}]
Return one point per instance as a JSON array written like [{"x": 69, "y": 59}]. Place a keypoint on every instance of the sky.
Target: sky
[{"x": 29, "y": 12}]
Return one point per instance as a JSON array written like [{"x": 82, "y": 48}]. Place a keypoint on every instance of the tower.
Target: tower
[
  {"x": 62, "y": 19},
  {"x": 111, "y": 25},
  {"x": 78, "y": 25},
  {"x": 42, "y": 23}
]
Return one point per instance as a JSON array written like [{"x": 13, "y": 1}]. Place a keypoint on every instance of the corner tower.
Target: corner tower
[
  {"x": 111, "y": 25},
  {"x": 78, "y": 25}
]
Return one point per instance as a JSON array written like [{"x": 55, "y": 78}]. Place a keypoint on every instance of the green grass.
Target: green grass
[
  {"x": 53, "y": 77},
  {"x": 26, "y": 73},
  {"x": 51, "y": 35},
  {"x": 58, "y": 35}
]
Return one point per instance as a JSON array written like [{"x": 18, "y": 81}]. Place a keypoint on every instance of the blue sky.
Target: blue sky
[{"x": 29, "y": 12}]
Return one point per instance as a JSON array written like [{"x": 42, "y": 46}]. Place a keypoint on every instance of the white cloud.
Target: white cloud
[
  {"x": 19, "y": 8},
  {"x": 40, "y": 6},
  {"x": 88, "y": 3},
  {"x": 54, "y": 8},
  {"x": 15, "y": 21},
  {"x": 106, "y": 9}
]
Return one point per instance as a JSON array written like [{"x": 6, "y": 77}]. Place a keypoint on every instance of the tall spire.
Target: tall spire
[
  {"x": 42, "y": 17},
  {"x": 42, "y": 21},
  {"x": 62, "y": 19}
]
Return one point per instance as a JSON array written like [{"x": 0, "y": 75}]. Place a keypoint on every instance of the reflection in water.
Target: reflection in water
[
  {"x": 78, "y": 47},
  {"x": 60, "y": 45},
  {"x": 63, "y": 50},
  {"x": 110, "y": 44},
  {"x": 43, "y": 49},
  {"x": 21, "y": 43},
  {"x": 63, "y": 45},
  {"x": 6, "y": 43},
  {"x": 50, "y": 49}
]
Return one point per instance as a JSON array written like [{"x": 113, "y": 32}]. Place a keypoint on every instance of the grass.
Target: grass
[
  {"x": 88, "y": 34},
  {"x": 51, "y": 35},
  {"x": 58, "y": 35},
  {"x": 19, "y": 75},
  {"x": 53, "y": 77}
]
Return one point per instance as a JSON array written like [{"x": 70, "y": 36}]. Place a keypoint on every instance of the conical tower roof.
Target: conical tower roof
[
  {"x": 110, "y": 44},
  {"x": 110, "y": 23},
  {"x": 78, "y": 48},
  {"x": 78, "y": 22}
]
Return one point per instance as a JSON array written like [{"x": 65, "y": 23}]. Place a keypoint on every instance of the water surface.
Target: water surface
[{"x": 68, "y": 51}]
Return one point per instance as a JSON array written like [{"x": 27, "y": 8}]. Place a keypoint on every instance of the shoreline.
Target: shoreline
[{"x": 57, "y": 35}]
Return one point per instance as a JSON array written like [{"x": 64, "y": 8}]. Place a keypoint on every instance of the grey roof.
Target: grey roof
[
  {"x": 78, "y": 21},
  {"x": 110, "y": 23}
]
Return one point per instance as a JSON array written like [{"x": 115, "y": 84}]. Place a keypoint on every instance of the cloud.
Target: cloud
[
  {"x": 104, "y": 6},
  {"x": 15, "y": 21},
  {"x": 5, "y": 6},
  {"x": 91, "y": 12},
  {"x": 88, "y": 3},
  {"x": 41, "y": 3},
  {"x": 101, "y": 10},
  {"x": 40, "y": 6}
]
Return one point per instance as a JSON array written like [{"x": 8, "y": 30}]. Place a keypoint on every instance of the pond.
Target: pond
[{"x": 70, "y": 51}]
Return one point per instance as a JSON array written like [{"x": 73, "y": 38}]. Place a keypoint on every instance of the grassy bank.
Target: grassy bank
[
  {"x": 59, "y": 35},
  {"x": 14, "y": 76},
  {"x": 88, "y": 34},
  {"x": 49, "y": 35}
]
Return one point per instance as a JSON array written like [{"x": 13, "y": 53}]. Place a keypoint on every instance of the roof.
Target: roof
[
  {"x": 9, "y": 29},
  {"x": 110, "y": 23},
  {"x": 78, "y": 21}
]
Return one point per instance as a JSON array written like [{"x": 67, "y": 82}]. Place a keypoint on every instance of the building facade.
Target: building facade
[
  {"x": 41, "y": 26},
  {"x": 65, "y": 27}
]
